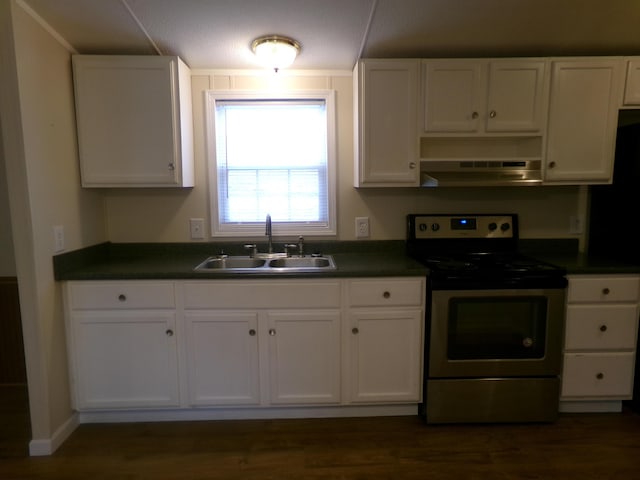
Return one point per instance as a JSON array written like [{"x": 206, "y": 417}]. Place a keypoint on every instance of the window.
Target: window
[{"x": 271, "y": 155}]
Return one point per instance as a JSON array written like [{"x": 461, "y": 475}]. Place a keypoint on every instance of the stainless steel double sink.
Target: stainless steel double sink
[{"x": 241, "y": 264}]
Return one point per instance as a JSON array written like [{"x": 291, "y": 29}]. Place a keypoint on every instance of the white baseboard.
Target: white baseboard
[{"x": 43, "y": 447}]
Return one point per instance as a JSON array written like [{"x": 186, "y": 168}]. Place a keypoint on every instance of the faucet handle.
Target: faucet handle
[
  {"x": 301, "y": 246},
  {"x": 253, "y": 249},
  {"x": 288, "y": 247}
]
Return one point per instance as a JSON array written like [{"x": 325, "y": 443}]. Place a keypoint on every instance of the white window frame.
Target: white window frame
[{"x": 251, "y": 229}]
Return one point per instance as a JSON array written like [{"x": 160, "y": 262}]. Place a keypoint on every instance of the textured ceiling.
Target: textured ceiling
[{"x": 334, "y": 33}]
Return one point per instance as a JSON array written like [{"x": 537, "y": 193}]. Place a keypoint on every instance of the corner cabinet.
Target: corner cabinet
[
  {"x": 134, "y": 121},
  {"x": 583, "y": 116},
  {"x": 600, "y": 342},
  {"x": 386, "y": 132}
]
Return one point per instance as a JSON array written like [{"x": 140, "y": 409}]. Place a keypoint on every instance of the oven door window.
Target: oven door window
[{"x": 497, "y": 327}]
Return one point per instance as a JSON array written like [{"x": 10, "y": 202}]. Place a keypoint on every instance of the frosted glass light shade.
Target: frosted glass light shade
[{"x": 275, "y": 52}]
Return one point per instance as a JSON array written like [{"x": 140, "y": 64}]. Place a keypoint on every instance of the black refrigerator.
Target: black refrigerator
[{"x": 614, "y": 218}]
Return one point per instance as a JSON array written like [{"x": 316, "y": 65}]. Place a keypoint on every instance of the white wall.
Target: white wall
[
  {"x": 38, "y": 125},
  {"x": 163, "y": 215}
]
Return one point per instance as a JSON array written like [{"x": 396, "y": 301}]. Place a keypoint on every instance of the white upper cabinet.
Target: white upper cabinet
[
  {"x": 484, "y": 96},
  {"x": 583, "y": 115},
  {"x": 134, "y": 121},
  {"x": 386, "y": 147},
  {"x": 632, "y": 86}
]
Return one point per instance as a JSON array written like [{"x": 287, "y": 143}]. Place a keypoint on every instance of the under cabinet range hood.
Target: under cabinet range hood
[{"x": 472, "y": 173}]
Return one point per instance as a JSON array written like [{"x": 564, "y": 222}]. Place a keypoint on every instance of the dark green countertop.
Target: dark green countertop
[
  {"x": 119, "y": 261},
  {"x": 109, "y": 261},
  {"x": 564, "y": 253}
]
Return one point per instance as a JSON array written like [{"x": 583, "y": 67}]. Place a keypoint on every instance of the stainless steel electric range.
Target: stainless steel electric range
[{"x": 494, "y": 325}]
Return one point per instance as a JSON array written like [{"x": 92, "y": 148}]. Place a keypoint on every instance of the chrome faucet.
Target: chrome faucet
[{"x": 267, "y": 232}]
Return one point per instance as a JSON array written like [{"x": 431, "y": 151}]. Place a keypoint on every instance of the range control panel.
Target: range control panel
[{"x": 462, "y": 226}]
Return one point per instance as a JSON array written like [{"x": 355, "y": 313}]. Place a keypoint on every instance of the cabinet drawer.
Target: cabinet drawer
[
  {"x": 262, "y": 294},
  {"x": 121, "y": 295},
  {"x": 386, "y": 292},
  {"x": 598, "y": 375},
  {"x": 602, "y": 327},
  {"x": 603, "y": 289}
]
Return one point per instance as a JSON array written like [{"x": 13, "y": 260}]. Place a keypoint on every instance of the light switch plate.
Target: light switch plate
[{"x": 196, "y": 228}]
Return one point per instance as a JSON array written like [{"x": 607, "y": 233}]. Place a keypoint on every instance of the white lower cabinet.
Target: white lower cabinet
[
  {"x": 214, "y": 345},
  {"x": 600, "y": 342},
  {"x": 263, "y": 342},
  {"x": 123, "y": 345},
  {"x": 385, "y": 340},
  {"x": 223, "y": 363},
  {"x": 304, "y": 357}
]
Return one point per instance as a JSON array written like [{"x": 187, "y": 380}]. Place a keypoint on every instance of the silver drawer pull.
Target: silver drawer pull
[
  {"x": 122, "y": 297},
  {"x": 386, "y": 294},
  {"x": 600, "y": 376}
]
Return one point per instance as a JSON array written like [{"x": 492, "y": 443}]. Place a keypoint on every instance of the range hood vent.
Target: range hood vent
[{"x": 480, "y": 173}]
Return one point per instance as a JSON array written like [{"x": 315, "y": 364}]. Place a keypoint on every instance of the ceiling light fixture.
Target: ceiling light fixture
[{"x": 275, "y": 51}]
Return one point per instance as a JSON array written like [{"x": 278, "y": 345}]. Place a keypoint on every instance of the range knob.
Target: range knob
[
  {"x": 504, "y": 227},
  {"x": 435, "y": 227},
  {"x": 422, "y": 227},
  {"x": 493, "y": 226}
]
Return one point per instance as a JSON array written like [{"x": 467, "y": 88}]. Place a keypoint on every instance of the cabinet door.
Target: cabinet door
[
  {"x": 304, "y": 357},
  {"x": 125, "y": 359},
  {"x": 129, "y": 120},
  {"x": 583, "y": 115},
  {"x": 517, "y": 96},
  {"x": 632, "y": 86},
  {"x": 222, "y": 351},
  {"x": 385, "y": 355},
  {"x": 387, "y": 148},
  {"x": 454, "y": 96}
]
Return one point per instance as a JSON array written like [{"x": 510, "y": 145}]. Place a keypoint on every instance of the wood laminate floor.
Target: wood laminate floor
[{"x": 581, "y": 447}]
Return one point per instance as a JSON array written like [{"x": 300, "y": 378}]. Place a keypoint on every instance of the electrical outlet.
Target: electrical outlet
[
  {"x": 576, "y": 224},
  {"x": 196, "y": 228},
  {"x": 362, "y": 227},
  {"x": 58, "y": 238}
]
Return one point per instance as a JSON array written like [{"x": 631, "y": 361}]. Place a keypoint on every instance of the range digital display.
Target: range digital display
[{"x": 463, "y": 223}]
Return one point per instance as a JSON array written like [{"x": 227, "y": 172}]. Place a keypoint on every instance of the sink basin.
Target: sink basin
[
  {"x": 230, "y": 263},
  {"x": 239, "y": 264},
  {"x": 302, "y": 262}
]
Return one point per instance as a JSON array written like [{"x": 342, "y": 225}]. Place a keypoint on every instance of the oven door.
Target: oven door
[{"x": 496, "y": 333}]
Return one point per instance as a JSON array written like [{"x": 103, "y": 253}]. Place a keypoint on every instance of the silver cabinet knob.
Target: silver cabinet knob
[
  {"x": 272, "y": 331},
  {"x": 474, "y": 115},
  {"x": 600, "y": 375},
  {"x": 386, "y": 294},
  {"x": 412, "y": 165},
  {"x": 606, "y": 291},
  {"x": 252, "y": 332},
  {"x": 355, "y": 330},
  {"x": 122, "y": 297},
  {"x": 492, "y": 114},
  {"x": 552, "y": 164},
  {"x": 603, "y": 328},
  {"x": 169, "y": 332}
]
